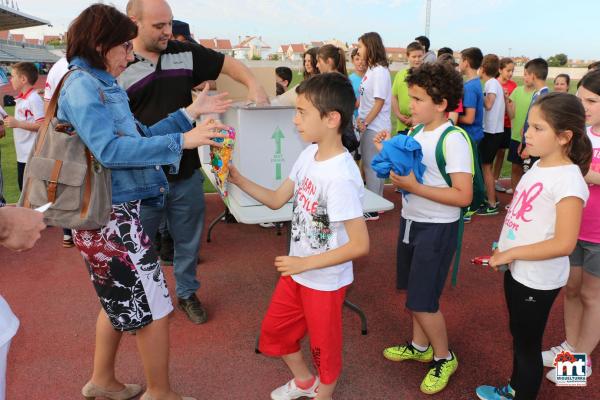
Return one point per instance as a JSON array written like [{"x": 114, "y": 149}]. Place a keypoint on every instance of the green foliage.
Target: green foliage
[{"x": 558, "y": 60}]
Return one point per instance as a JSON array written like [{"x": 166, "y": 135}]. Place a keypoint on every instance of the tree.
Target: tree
[
  {"x": 54, "y": 42},
  {"x": 558, "y": 60}
]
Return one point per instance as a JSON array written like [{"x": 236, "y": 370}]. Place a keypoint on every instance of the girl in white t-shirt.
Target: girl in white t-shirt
[
  {"x": 375, "y": 105},
  {"x": 582, "y": 297},
  {"x": 539, "y": 232}
]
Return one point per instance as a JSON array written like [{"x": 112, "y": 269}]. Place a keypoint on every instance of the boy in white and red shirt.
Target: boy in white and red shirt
[
  {"x": 328, "y": 231},
  {"x": 29, "y": 113}
]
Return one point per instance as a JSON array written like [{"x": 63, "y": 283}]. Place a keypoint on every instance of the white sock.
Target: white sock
[
  {"x": 420, "y": 348},
  {"x": 448, "y": 357},
  {"x": 567, "y": 346}
]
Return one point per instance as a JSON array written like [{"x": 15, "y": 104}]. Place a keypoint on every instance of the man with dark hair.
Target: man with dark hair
[
  {"x": 159, "y": 81},
  {"x": 429, "y": 55},
  {"x": 283, "y": 77}
]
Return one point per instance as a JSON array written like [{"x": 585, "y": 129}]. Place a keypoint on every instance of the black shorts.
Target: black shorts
[
  {"x": 513, "y": 153},
  {"x": 425, "y": 252},
  {"x": 506, "y": 138},
  {"x": 488, "y": 147}
]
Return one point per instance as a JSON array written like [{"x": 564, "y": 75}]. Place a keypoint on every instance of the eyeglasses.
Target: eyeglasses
[{"x": 128, "y": 46}]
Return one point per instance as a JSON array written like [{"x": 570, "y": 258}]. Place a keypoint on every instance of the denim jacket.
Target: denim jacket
[{"x": 98, "y": 108}]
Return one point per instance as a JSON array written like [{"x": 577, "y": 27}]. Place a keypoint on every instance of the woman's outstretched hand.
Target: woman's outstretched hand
[
  {"x": 205, "y": 104},
  {"x": 203, "y": 133}
]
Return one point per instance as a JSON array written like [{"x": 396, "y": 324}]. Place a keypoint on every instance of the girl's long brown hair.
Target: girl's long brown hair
[{"x": 375, "y": 51}]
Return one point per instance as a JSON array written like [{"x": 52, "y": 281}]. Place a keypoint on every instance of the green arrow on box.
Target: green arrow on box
[{"x": 278, "y": 137}]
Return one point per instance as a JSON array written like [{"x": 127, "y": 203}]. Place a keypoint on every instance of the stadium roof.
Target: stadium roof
[{"x": 14, "y": 19}]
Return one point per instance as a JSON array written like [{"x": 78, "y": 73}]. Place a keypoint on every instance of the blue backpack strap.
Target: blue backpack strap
[{"x": 440, "y": 158}]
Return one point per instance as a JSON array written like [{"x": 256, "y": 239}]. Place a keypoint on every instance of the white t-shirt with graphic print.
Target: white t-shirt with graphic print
[
  {"x": 458, "y": 159},
  {"x": 326, "y": 193},
  {"x": 532, "y": 218}
]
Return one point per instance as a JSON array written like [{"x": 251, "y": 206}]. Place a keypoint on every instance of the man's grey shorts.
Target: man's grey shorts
[{"x": 586, "y": 255}]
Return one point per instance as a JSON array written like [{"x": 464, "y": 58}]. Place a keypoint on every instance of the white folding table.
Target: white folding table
[{"x": 260, "y": 214}]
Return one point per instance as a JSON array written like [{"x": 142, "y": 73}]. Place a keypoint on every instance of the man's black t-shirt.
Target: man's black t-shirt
[{"x": 155, "y": 91}]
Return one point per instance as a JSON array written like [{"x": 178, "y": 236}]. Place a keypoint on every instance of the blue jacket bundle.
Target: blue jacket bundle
[{"x": 401, "y": 154}]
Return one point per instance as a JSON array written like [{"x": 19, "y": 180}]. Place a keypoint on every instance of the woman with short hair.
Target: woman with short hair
[{"x": 122, "y": 264}]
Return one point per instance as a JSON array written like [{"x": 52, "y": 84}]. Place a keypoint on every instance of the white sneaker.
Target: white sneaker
[
  {"x": 551, "y": 375},
  {"x": 549, "y": 355},
  {"x": 509, "y": 191},
  {"x": 499, "y": 187},
  {"x": 267, "y": 225},
  {"x": 290, "y": 391}
]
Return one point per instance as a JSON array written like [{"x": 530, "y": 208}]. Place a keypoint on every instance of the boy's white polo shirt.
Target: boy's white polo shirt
[{"x": 29, "y": 108}]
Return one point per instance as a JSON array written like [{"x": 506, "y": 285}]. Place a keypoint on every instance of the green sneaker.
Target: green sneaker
[
  {"x": 438, "y": 376},
  {"x": 408, "y": 352}
]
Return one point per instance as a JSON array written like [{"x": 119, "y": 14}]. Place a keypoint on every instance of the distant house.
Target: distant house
[
  {"x": 35, "y": 42},
  {"x": 250, "y": 47},
  {"x": 4, "y": 35},
  {"x": 520, "y": 61},
  {"x": 220, "y": 45},
  {"x": 317, "y": 44},
  {"x": 295, "y": 51},
  {"x": 51, "y": 38},
  {"x": 19, "y": 38},
  {"x": 396, "y": 54}
]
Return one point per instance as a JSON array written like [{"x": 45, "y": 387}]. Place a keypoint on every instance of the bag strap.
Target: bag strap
[
  {"x": 50, "y": 114},
  {"x": 440, "y": 158},
  {"x": 415, "y": 129},
  {"x": 39, "y": 144}
]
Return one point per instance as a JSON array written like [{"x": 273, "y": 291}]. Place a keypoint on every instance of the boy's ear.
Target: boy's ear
[
  {"x": 442, "y": 106},
  {"x": 333, "y": 119}
]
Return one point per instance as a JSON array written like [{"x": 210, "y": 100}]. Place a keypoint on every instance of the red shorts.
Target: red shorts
[{"x": 296, "y": 309}]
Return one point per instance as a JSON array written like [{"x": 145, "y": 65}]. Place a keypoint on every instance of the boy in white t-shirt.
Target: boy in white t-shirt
[
  {"x": 29, "y": 113},
  {"x": 430, "y": 218},
  {"x": 328, "y": 231},
  {"x": 493, "y": 127}
]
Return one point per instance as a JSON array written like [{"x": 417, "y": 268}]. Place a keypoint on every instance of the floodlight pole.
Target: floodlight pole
[{"x": 427, "y": 17}]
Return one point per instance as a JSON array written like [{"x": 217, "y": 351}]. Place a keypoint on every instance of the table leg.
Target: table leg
[
  {"x": 215, "y": 222},
  {"x": 363, "y": 318}
]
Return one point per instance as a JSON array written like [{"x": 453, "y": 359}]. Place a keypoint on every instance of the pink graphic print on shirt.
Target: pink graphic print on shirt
[
  {"x": 595, "y": 166},
  {"x": 520, "y": 208}
]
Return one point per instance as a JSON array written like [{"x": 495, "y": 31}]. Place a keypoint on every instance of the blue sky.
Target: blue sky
[{"x": 526, "y": 27}]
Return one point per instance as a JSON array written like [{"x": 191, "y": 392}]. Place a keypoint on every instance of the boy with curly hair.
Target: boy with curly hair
[{"x": 430, "y": 219}]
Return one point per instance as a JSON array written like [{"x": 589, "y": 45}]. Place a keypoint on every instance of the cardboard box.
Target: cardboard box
[
  {"x": 264, "y": 75},
  {"x": 267, "y": 145}
]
